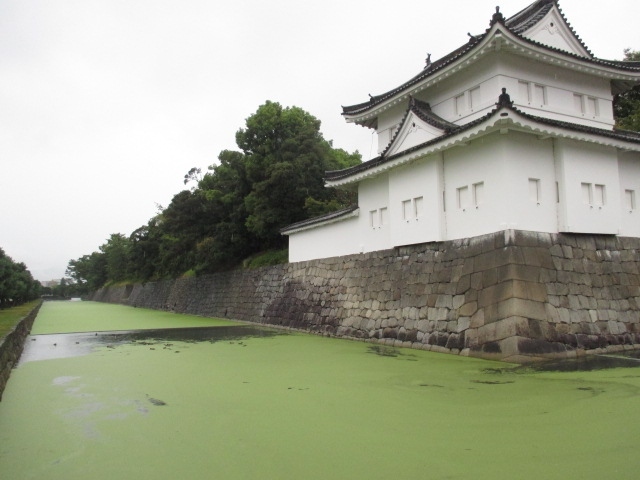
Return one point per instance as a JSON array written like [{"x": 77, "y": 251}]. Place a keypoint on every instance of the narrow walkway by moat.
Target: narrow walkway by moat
[{"x": 105, "y": 391}]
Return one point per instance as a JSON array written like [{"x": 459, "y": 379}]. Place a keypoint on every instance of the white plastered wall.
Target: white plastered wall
[
  {"x": 502, "y": 181},
  {"x": 529, "y": 183},
  {"x": 330, "y": 240},
  {"x": 629, "y": 167},
  {"x": 567, "y": 95},
  {"x": 374, "y": 222},
  {"x": 415, "y": 202},
  {"x": 559, "y": 85},
  {"x": 589, "y": 190},
  {"x": 474, "y": 178}
]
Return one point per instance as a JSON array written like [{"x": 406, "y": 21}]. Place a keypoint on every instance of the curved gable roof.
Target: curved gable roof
[
  {"x": 529, "y": 17},
  {"x": 421, "y": 110}
]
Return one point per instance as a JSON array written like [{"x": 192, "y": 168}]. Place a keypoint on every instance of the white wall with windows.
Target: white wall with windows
[
  {"x": 557, "y": 93},
  {"x": 375, "y": 215},
  {"x": 629, "y": 168},
  {"x": 476, "y": 188},
  {"x": 529, "y": 182},
  {"x": 415, "y": 199},
  {"x": 548, "y": 91},
  {"x": 501, "y": 181},
  {"x": 589, "y": 188}
]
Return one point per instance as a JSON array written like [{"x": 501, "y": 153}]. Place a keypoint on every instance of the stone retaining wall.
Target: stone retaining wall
[
  {"x": 12, "y": 344},
  {"x": 507, "y": 295}
]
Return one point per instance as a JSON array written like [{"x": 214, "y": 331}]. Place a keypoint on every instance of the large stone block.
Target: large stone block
[{"x": 521, "y": 308}]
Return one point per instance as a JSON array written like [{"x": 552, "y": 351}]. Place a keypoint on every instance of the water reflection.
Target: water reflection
[{"x": 47, "y": 347}]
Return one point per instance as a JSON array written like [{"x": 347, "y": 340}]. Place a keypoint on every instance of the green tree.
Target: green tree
[
  {"x": 626, "y": 105},
  {"x": 17, "y": 285},
  {"x": 144, "y": 251},
  {"x": 116, "y": 252},
  {"x": 286, "y": 157},
  {"x": 89, "y": 271},
  {"x": 227, "y": 238}
]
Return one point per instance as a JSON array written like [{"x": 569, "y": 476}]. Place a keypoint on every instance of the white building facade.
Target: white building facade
[{"x": 513, "y": 130}]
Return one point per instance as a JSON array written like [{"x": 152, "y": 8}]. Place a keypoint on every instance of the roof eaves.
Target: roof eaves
[
  {"x": 326, "y": 218},
  {"x": 617, "y": 64},
  {"x": 618, "y": 134},
  {"x": 434, "y": 67}
]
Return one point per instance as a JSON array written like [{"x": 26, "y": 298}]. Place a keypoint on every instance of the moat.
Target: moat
[{"x": 109, "y": 391}]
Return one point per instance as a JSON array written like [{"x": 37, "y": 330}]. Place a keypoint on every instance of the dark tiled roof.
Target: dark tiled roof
[
  {"x": 322, "y": 218},
  {"x": 424, "y": 112},
  {"x": 625, "y": 64},
  {"x": 426, "y": 72},
  {"x": 517, "y": 24},
  {"x": 529, "y": 16},
  {"x": 617, "y": 134}
]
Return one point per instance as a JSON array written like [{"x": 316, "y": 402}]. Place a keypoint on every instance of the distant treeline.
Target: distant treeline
[
  {"x": 234, "y": 210},
  {"x": 17, "y": 286}
]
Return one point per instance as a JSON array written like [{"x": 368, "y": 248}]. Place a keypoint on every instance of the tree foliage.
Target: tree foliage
[
  {"x": 17, "y": 286},
  {"x": 236, "y": 209},
  {"x": 626, "y": 106}
]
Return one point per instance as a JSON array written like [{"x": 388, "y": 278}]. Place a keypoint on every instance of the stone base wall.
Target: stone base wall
[
  {"x": 508, "y": 295},
  {"x": 12, "y": 344}
]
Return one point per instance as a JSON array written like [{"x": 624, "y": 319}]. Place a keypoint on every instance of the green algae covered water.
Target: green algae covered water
[{"x": 230, "y": 401}]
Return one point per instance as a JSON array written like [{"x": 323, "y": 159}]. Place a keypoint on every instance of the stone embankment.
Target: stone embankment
[
  {"x": 508, "y": 295},
  {"x": 12, "y": 344}
]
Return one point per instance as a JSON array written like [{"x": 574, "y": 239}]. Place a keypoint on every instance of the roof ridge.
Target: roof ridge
[{"x": 513, "y": 19}]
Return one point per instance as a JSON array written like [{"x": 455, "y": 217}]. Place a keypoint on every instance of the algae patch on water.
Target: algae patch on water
[
  {"x": 299, "y": 406},
  {"x": 74, "y": 317}
]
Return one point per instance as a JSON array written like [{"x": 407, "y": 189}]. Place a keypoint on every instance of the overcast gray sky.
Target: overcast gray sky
[{"x": 106, "y": 104}]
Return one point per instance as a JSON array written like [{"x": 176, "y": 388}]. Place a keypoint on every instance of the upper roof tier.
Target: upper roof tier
[{"x": 540, "y": 31}]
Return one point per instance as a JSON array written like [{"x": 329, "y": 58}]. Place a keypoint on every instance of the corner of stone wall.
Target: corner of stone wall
[{"x": 558, "y": 295}]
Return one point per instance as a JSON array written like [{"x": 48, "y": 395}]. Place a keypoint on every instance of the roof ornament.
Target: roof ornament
[
  {"x": 504, "y": 100},
  {"x": 497, "y": 17},
  {"x": 428, "y": 61}
]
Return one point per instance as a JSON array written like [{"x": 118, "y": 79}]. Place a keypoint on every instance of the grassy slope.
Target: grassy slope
[{"x": 11, "y": 316}]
